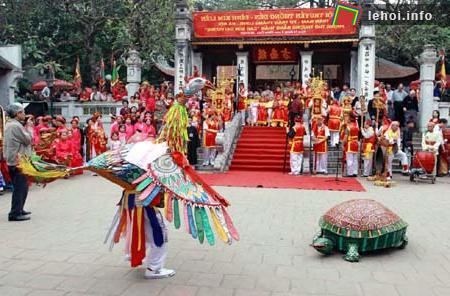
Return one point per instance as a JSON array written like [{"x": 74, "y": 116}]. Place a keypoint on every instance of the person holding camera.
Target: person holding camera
[{"x": 17, "y": 141}]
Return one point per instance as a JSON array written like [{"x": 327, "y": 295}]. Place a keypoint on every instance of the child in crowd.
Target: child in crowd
[{"x": 115, "y": 142}]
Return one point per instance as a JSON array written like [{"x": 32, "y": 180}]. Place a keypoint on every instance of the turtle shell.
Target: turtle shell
[{"x": 361, "y": 218}]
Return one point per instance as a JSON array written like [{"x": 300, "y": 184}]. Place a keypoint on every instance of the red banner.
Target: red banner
[
  {"x": 274, "y": 54},
  {"x": 266, "y": 23}
]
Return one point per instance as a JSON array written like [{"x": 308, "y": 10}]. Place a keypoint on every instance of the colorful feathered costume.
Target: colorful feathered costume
[{"x": 153, "y": 175}]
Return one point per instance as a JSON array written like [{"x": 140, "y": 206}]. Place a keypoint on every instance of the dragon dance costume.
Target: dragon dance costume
[{"x": 156, "y": 179}]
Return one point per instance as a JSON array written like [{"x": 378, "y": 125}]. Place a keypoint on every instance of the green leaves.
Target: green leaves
[{"x": 401, "y": 44}]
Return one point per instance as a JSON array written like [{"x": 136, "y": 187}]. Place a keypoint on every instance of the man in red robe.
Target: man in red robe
[
  {"x": 296, "y": 135},
  {"x": 351, "y": 145},
  {"x": 210, "y": 130},
  {"x": 97, "y": 136},
  {"x": 63, "y": 149},
  {"x": 320, "y": 134},
  {"x": 334, "y": 122}
]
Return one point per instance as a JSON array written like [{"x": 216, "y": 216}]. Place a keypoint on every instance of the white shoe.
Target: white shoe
[
  {"x": 159, "y": 274},
  {"x": 127, "y": 257}
]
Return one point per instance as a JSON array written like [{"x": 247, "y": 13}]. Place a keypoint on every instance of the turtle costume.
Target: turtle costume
[{"x": 359, "y": 226}]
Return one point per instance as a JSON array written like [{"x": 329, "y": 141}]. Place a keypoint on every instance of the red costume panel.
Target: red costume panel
[
  {"x": 212, "y": 127},
  {"x": 228, "y": 109},
  {"x": 368, "y": 144},
  {"x": 262, "y": 113},
  {"x": 334, "y": 119},
  {"x": 242, "y": 98},
  {"x": 352, "y": 144},
  {"x": 277, "y": 115},
  {"x": 297, "y": 142},
  {"x": 63, "y": 151},
  {"x": 320, "y": 134}
]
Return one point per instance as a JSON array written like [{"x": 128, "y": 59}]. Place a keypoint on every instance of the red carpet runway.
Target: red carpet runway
[
  {"x": 280, "y": 180},
  {"x": 260, "y": 149}
]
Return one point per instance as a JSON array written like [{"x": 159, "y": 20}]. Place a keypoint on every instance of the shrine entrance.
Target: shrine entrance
[{"x": 279, "y": 63}]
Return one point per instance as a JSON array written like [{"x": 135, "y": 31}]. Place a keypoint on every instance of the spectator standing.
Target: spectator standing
[
  {"x": 398, "y": 96},
  {"x": 410, "y": 107},
  {"x": 344, "y": 93},
  {"x": 389, "y": 92},
  {"x": 45, "y": 93},
  {"x": 336, "y": 93},
  {"x": 193, "y": 142},
  {"x": 437, "y": 93},
  {"x": 17, "y": 140},
  {"x": 407, "y": 139},
  {"x": 295, "y": 109},
  {"x": 125, "y": 110},
  {"x": 96, "y": 95}
]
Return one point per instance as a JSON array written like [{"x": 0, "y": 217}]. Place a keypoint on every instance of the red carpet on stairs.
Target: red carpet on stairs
[
  {"x": 280, "y": 180},
  {"x": 260, "y": 149}
]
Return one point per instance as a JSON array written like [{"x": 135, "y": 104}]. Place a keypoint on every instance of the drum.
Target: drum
[{"x": 424, "y": 160}]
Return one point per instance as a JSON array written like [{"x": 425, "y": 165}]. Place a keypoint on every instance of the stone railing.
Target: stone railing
[{"x": 225, "y": 141}]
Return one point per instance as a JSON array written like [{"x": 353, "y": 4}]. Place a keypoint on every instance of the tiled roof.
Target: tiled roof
[{"x": 385, "y": 69}]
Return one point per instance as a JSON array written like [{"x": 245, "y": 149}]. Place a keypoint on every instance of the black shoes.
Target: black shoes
[
  {"x": 24, "y": 216},
  {"x": 18, "y": 218}
]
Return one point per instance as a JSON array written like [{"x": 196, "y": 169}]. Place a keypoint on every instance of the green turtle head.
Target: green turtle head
[{"x": 323, "y": 245}]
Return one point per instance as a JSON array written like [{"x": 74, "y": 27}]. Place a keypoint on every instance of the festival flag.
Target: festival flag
[
  {"x": 77, "y": 75},
  {"x": 101, "y": 78},
  {"x": 114, "y": 74},
  {"x": 442, "y": 72}
]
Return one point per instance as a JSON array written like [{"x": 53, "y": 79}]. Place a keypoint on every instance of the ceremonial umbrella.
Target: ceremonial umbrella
[{"x": 59, "y": 84}]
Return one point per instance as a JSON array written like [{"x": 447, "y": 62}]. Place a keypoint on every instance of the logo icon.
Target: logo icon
[{"x": 346, "y": 14}]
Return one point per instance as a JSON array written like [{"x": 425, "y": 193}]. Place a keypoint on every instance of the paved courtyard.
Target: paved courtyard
[{"x": 60, "y": 251}]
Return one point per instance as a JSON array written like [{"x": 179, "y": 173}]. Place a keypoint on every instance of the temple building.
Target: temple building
[{"x": 265, "y": 46}]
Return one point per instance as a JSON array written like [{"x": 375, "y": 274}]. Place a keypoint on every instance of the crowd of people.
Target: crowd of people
[
  {"x": 338, "y": 117},
  {"x": 335, "y": 116},
  {"x": 104, "y": 92}
]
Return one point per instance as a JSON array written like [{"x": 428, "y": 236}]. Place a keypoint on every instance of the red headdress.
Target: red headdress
[{"x": 60, "y": 119}]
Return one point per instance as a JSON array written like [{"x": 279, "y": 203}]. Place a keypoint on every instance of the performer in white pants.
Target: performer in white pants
[
  {"x": 156, "y": 258},
  {"x": 242, "y": 101},
  {"x": 253, "y": 107},
  {"x": 431, "y": 140},
  {"x": 334, "y": 122},
  {"x": 210, "y": 129},
  {"x": 320, "y": 135},
  {"x": 368, "y": 147},
  {"x": 394, "y": 139},
  {"x": 350, "y": 135},
  {"x": 296, "y": 134}
]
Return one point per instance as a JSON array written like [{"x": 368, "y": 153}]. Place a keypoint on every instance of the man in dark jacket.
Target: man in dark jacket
[
  {"x": 410, "y": 107},
  {"x": 193, "y": 143},
  {"x": 17, "y": 141},
  {"x": 295, "y": 109}
]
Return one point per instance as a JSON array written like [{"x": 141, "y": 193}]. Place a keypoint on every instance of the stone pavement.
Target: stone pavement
[{"x": 60, "y": 251}]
